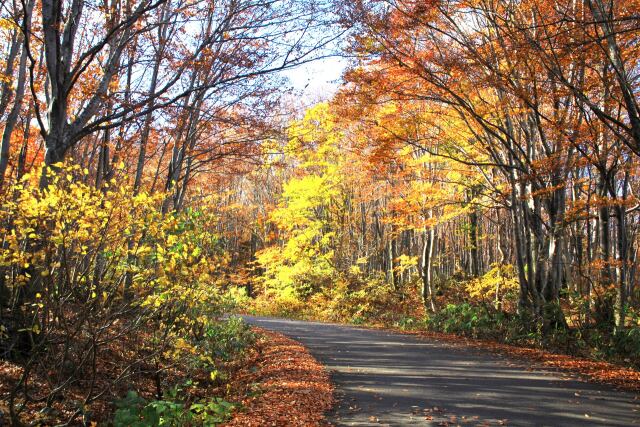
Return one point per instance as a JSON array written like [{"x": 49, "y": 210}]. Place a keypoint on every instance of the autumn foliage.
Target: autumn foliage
[
  {"x": 480, "y": 158},
  {"x": 476, "y": 173}
]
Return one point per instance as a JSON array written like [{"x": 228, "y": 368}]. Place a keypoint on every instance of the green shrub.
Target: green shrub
[
  {"x": 408, "y": 323},
  {"x": 135, "y": 411},
  {"x": 464, "y": 319},
  {"x": 221, "y": 341},
  {"x": 227, "y": 339},
  {"x": 626, "y": 342},
  {"x": 235, "y": 298},
  {"x": 483, "y": 322}
]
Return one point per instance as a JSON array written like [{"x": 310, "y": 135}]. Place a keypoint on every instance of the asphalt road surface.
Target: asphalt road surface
[{"x": 384, "y": 378}]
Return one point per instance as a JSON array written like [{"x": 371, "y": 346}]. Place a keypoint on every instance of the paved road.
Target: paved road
[{"x": 384, "y": 378}]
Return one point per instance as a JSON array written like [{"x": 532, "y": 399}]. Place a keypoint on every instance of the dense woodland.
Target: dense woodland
[
  {"x": 476, "y": 172},
  {"x": 484, "y": 150}
]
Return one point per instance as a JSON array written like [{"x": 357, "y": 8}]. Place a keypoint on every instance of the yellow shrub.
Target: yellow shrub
[
  {"x": 497, "y": 284},
  {"x": 85, "y": 265}
]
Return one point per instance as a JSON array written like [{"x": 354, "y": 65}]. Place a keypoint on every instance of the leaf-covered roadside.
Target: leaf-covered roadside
[{"x": 290, "y": 387}]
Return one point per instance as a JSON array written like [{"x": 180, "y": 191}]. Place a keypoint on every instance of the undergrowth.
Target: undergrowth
[{"x": 204, "y": 356}]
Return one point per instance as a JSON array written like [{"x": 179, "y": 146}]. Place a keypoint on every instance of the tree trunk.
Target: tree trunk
[
  {"x": 622, "y": 264},
  {"x": 12, "y": 118},
  {"x": 428, "y": 291}
]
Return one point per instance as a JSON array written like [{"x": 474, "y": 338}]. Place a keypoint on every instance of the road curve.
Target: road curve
[{"x": 385, "y": 378}]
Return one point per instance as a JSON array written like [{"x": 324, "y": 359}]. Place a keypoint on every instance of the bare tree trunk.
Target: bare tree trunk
[
  {"x": 604, "y": 18},
  {"x": 5, "y": 89},
  {"x": 12, "y": 117},
  {"x": 393, "y": 268},
  {"x": 148, "y": 119},
  {"x": 474, "y": 253},
  {"x": 622, "y": 262},
  {"x": 428, "y": 291}
]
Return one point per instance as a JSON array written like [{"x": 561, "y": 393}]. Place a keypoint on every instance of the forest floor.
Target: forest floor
[
  {"x": 290, "y": 387},
  {"x": 388, "y": 378}
]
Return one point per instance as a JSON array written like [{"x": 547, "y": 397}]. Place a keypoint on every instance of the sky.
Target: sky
[{"x": 318, "y": 80}]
